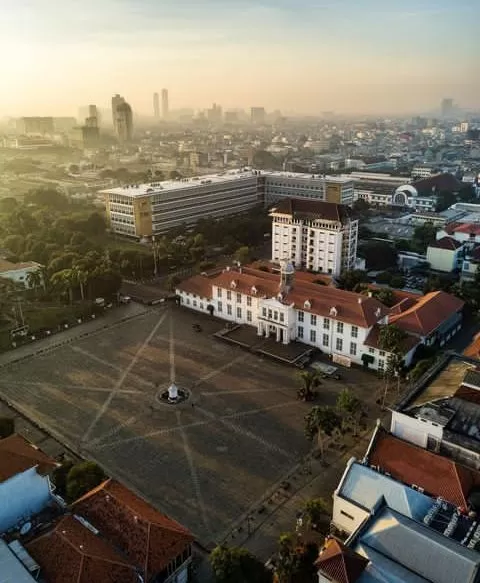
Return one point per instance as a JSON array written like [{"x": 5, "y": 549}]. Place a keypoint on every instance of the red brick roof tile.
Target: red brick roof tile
[
  {"x": 427, "y": 314},
  {"x": 339, "y": 563},
  {"x": 437, "y": 475},
  {"x": 70, "y": 553},
  {"x": 18, "y": 455},
  {"x": 447, "y": 243},
  {"x": 148, "y": 538}
]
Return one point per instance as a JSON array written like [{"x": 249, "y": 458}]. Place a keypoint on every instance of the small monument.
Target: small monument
[{"x": 173, "y": 393}]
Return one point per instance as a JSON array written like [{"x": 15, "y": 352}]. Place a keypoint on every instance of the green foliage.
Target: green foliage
[
  {"x": 379, "y": 255},
  {"x": 316, "y": 510},
  {"x": 237, "y": 565},
  {"x": 7, "y": 426},
  {"x": 391, "y": 338},
  {"x": 397, "y": 281},
  {"x": 384, "y": 295},
  {"x": 295, "y": 562},
  {"x": 59, "y": 478},
  {"x": 420, "y": 368},
  {"x": 243, "y": 254},
  {"x": 423, "y": 236},
  {"x": 349, "y": 280},
  {"x": 347, "y": 402},
  {"x": 323, "y": 418},
  {"x": 82, "y": 478}
]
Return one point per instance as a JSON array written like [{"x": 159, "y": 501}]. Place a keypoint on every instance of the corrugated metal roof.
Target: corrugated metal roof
[{"x": 11, "y": 569}]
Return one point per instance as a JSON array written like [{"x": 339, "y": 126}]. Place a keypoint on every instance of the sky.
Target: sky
[{"x": 307, "y": 56}]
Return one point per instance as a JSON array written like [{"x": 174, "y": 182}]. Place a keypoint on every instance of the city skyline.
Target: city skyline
[{"x": 294, "y": 56}]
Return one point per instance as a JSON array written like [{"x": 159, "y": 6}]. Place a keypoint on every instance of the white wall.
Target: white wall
[
  {"x": 22, "y": 496},
  {"x": 20, "y": 275},
  {"x": 193, "y": 301},
  {"x": 442, "y": 259},
  {"x": 414, "y": 430},
  {"x": 347, "y": 516}
]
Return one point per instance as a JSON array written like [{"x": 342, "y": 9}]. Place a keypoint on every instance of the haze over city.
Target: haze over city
[{"x": 297, "y": 56}]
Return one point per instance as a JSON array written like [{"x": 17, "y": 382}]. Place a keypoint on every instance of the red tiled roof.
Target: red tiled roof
[
  {"x": 312, "y": 209},
  {"x": 148, "y": 538},
  {"x": 373, "y": 340},
  {"x": 427, "y": 314},
  {"x": 70, "y": 553},
  {"x": 199, "y": 285},
  {"x": 467, "y": 228},
  {"x": 18, "y": 455},
  {"x": 438, "y": 475},
  {"x": 473, "y": 349},
  {"x": 447, "y": 243},
  {"x": 339, "y": 563}
]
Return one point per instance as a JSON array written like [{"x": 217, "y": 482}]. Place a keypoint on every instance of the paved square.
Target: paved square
[{"x": 204, "y": 464}]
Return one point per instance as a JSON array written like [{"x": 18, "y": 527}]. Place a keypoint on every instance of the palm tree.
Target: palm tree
[
  {"x": 350, "y": 409},
  {"x": 34, "y": 279},
  {"x": 321, "y": 422},
  {"x": 64, "y": 281},
  {"x": 310, "y": 380}
]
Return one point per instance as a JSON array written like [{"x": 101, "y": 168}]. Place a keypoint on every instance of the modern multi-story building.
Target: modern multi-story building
[
  {"x": 147, "y": 209},
  {"x": 124, "y": 122},
  {"x": 315, "y": 235},
  {"x": 446, "y": 107},
  {"x": 257, "y": 115},
  {"x": 156, "y": 106},
  {"x": 116, "y": 101},
  {"x": 165, "y": 109},
  {"x": 37, "y": 125}
]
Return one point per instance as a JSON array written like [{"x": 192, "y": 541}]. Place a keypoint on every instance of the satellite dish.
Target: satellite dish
[{"x": 26, "y": 528}]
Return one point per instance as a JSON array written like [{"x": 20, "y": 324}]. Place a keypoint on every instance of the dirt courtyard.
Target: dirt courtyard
[{"x": 205, "y": 462}]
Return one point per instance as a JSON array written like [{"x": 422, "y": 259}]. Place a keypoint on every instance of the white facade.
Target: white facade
[
  {"x": 445, "y": 260},
  {"x": 281, "y": 185},
  {"x": 22, "y": 496},
  {"x": 318, "y": 244},
  {"x": 18, "y": 272},
  {"x": 422, "y": 172}
]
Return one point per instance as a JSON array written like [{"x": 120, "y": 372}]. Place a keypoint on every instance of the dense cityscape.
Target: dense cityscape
[{"x": 238, "y": 344}]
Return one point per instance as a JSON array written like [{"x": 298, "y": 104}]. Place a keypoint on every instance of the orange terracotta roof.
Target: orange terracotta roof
[
  {"x": 373, "y": 340},
  {"x": 339, "y": 563},
  {"x": 312, "y": 209},
  {"x": 473, "y": 349},
  {"x": 438, "y": 475},
  {"x": 447, "y": 243},
  {"x": 428, "y": 313},
  {"x": 148, "y": 538},
  {"x": 467, "y": 228},
  {"x": 70, "y": 553},
  {"x": 18, "y": 455},
  {"x": 199, "y": 285}
]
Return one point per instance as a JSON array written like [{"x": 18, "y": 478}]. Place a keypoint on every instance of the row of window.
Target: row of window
[
  {"x": 229, "y": 296},
  {"x": 326, "y": 324},
  {"x": 326, "y": 340},
  {"x": 238, "y": 312},
  {"x": 273, "y": 314}
]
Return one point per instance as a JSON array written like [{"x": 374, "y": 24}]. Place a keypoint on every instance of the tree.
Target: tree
[
  {"x": 175, "y": 175},
  {"x": 391, "y": 339},
  {"x": 295, "y": 562},
  {"x": 350, "y": 409},
  {"x": 310, "y": 380},
  {"x": 34, "y": 279},
  {"x": 82, "y": 478},
  {"x": 321, "y": 422},
  {"x": 237, "y": 565},
  {"x": 423, "y": 236},
  {"x": 7, "y": 427},
  {"x": 47, "y": 197},
  {"x": 316, "y": 512},
  {"x": 64, "y": 281},
  {"x": 349, "y": 280},
  {"x": 379, "y": 255},
  {"x": 59, "y": 477},
  {"x": 243, "y": 254},
  {"x": 361, "y": 207}
]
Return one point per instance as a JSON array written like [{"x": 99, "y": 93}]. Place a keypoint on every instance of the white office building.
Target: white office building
[{"x": 315, "y": 235}]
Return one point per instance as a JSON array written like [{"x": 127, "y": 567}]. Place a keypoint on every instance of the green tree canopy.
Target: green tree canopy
[
  {"x": 391, "y": 338},
  {"x": 322, "y": 418},
  {"x": 237, "y": 565},
  {"x": 7, "y": 426},
  {"x": 349, "y": 280},
  {"x": 82, "y": 478}
]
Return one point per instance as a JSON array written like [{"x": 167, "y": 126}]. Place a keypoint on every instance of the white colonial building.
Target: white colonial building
[{"x": 319, "y": 236}]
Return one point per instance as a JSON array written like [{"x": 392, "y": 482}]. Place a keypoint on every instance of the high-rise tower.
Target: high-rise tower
[
  {"x": 124, "y": 122},
  {"x": 156, "y": 105},
  {"x": 116, "y": 101},
  {"x": 165, "y": 103}
]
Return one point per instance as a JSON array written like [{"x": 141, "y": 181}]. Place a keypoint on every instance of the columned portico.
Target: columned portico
[{"x": 267, "y": 329}]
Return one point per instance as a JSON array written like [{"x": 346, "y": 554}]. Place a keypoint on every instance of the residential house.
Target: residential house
[
  {"x": 158, "y": 547},
  {"x": 19, "y": 272},
  {"x": 25, "y": 488},
  {"x": 442, "y": 414},
  {"x": 445, "y": 254}
]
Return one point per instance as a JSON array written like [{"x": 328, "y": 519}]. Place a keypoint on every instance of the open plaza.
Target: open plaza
[{"x": 207, "y": 461}]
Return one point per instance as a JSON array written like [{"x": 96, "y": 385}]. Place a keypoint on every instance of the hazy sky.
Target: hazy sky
[{"x": 304, "y": 55}]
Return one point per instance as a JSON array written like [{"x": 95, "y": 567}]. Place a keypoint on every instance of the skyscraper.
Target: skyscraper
[
  {"x": 156, "y": 106},
  {"x": 165, "y": 103},
  {"x": 93, "y": 119},
  {"x": 257, "y": 115},
  {"x": 116, "y": 101},
  {"x": 447, "y": 107},
  {"x": 124, "y": 122}
]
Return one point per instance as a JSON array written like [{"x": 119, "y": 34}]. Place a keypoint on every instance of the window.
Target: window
[
  {"x": 264, "y": 312},
  {"x": 339, "y": 344},
  {"x": 371, "y": 350},
  {"x": 249, "y": 301},
  {"x": 249, "y": 316},
  {"x": 219, "y": 292},
  {"x": 269, "y": 314},
  {"x": 220, "y": 308},
  {"x": 301, "y": 316},
  {"x": 229, "y": 309},
  {"x": 239, "y": 312},
  {"x": 187, "y": 301},
  {"x": 353, "y": 348},
  {"x": 325, "y": 340},
  {"x": 300, "y": 331},
  {"x": 346, "y": 515},
  {"x": 194, "y": 302},
  {"x": 354, "y": 331},
  {"x": 326, "y": 323},
  {"x": 382, "y": 353},
  {"x": 282, "y": 317},
  {"x": 313, "y": 336},
  {"x": 229, "y": 295},
  {"x": 313, "y": 320},
  {"x": 340, "y": 327},
  {"x": 239, "y": 298},
  {"x": 201, "y": 305},
  {"x": 381, "y": 364},
  {"x": 275, "y": 315}
]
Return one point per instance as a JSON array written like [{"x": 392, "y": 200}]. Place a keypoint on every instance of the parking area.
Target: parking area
[{"x": 206, "y": 462}]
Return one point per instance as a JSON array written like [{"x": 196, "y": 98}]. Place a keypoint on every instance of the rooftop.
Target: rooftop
[
  {"x": 443, "y": 181},
  {"x": 71, "y": 553},
  {"x": 18, "y": 455},
  {"x": 340, "y": 563},
  {"x": 299, "y": 208},
  {"x": 447, "y": 243},
  {"x": 11, "y": 569},
  {"x": 147, "y": 537},
  {"x": 139, "y": 190},
  {"x": 6, "y": 266}
]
